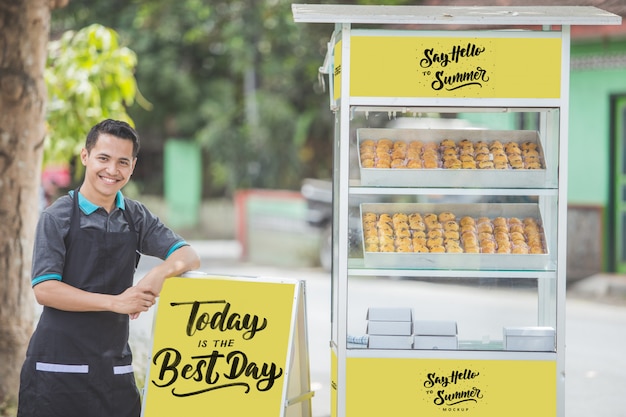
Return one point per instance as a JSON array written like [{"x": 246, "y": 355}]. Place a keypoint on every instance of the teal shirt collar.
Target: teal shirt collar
[{"x": 88, "y": 207}]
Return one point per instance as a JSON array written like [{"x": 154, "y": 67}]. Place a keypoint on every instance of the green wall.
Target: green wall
[{"x": 589, "y": 130}]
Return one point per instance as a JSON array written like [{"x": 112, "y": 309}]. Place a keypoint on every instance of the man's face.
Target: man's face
[{"x": 108, "y": 168}]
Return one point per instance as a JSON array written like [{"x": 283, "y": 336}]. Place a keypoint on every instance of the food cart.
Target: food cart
[{"x": 451, "y": 136}]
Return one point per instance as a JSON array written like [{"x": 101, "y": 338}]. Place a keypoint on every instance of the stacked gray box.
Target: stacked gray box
[
  {"x": 431, "y": 334},
  {"x": 532, "y": 338},
  {"x": 389, "y": 328}
]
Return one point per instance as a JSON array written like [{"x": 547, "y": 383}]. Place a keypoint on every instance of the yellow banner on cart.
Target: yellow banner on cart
[
  {"x": 453, "y": 67},
  {"x": 220, "y": 348},
  {"x": 407, "y": 387}
]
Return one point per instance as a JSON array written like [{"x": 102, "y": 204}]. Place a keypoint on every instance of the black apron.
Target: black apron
[{"x": 80, "y": 364}]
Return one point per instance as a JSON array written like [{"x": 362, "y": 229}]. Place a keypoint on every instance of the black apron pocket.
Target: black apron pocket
[{"x": 62, "y": 391}]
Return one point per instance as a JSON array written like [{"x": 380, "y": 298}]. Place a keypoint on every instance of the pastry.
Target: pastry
[
  {"x": 454, "y": 249},
  {"x": 503, "y": 249},
  {"x": 399, "y": 217},
  {"x": 414, "y": 217},
  {"x": 398, "y": 154},
  {"x": 384, "y": 142},
  {"x": 496, "y": 145},
  {"x": 434, "y": 233},
  {"x": 499, "y": 221},
  {"x": 372, "y": 247},
  {"x": 447, "y": 143},
  {"x": 417, "y": 225},
  {"x": 450, "y": 225},
  {"x": 482, "y": 157},
  {"x": 437, "y": 249},
  {"x": 467, "y": 220},
  {"x": 385, "y": 218},
  {"x": 369, "y": 216},
  {"x": 453, "y": 163},
  {"x": 451, "y": 234},
  {"x": 484, "y": 227},
  {"x": 448, "y": 153},
  {"x": 530, "y": 153},
  {"x": 419, "y": 234},
  {"x": 446, "y": 216},
  {"x": 404, "y": 248},
  {"x": 536, "y": 249},
  {"x": 414, "y": 164},
  {"x": 388, "y": 247},
  {"x": 412, "y": 153},
  {"x": 468, "y": 228},
  {"x": 529, "y": 145},
  {"x": 430, "y": 217},
  {"x": 472, "y": 249},
  {"x": 403, "y": 232},
  {"x": 420, "y": 249},
  {"x": 521, "y": 248},
  {"x": 430, "y": 243}
]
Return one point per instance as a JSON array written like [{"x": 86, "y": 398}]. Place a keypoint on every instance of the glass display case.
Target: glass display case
[
  {"x": 450, "y": 204},
  {"x": 483, "y": 216}
]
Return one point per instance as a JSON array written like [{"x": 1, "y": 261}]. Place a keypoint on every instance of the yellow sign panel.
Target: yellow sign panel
[
  {"x": 337, "y": 72},
  {"x": 220, "y": 348},
  {"x": 450, "y": 387},
  {"x": 453, "y": 67}
]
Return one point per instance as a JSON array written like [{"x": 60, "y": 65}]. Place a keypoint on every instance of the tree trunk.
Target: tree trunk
[{"x": 24, "y": 31}]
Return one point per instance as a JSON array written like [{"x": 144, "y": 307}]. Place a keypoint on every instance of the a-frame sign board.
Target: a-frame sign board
[{"x": 229, "y": 346}]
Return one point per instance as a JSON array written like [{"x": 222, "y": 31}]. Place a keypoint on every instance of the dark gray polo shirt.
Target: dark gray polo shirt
[{"x": 155, "y": 239}]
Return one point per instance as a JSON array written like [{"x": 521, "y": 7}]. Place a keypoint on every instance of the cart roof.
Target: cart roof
[{"x": 463, "y": 15}]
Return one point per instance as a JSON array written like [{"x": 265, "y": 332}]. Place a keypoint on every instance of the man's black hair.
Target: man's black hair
[{"x": 116, "y": 128}]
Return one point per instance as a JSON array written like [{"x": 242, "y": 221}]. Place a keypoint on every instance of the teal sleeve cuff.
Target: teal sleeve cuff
[
  {"x": 176, "y": 246},
  {"x": 46, "y": 277}
]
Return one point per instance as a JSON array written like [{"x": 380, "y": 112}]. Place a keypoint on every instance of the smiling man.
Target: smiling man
[{"x": 87, "y": 246}]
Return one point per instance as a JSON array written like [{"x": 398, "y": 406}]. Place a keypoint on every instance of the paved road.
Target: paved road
[{"x": 595, "y": 332}]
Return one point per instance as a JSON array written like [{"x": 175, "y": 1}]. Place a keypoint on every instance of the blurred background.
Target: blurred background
[{"x": 237, "y": 132}]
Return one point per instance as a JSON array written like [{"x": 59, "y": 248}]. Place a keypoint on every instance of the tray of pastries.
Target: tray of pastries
[
  {"x": 454, "y": 236},
  {"x": 451, "y": 158}
]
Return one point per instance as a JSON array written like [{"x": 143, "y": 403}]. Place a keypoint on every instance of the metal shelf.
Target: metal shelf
[
  {"x": 356, "y": 267},
  {"x": 356, "y": 189}
]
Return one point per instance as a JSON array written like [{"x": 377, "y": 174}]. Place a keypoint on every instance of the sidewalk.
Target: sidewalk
[
  {"x": 217, "y": 249},
  {"x": 600, "y": 287}
]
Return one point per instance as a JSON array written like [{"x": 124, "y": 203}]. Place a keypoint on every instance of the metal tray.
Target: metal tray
[
  {"x": 461, "y": 261},
  {"x": 440, "y": 177}
]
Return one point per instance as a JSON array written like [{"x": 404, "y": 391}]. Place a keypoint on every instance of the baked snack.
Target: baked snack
[
  {"x": 446, "y": 216},
  {"x": 414, "y": 164},
  {"x": 441, "y": 232}
]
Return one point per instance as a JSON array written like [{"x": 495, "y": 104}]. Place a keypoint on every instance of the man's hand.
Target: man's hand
[
  {"x": 182, "y": 260},
  {"x": 133, "y": 301}
]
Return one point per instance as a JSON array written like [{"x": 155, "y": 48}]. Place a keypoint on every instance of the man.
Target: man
[{"x": 86, "y": 249}]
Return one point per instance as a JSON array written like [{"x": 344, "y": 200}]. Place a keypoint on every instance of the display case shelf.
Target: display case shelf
[
  {"x": 356, "y": 267},
  {"x": 357, "y": 189}
]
